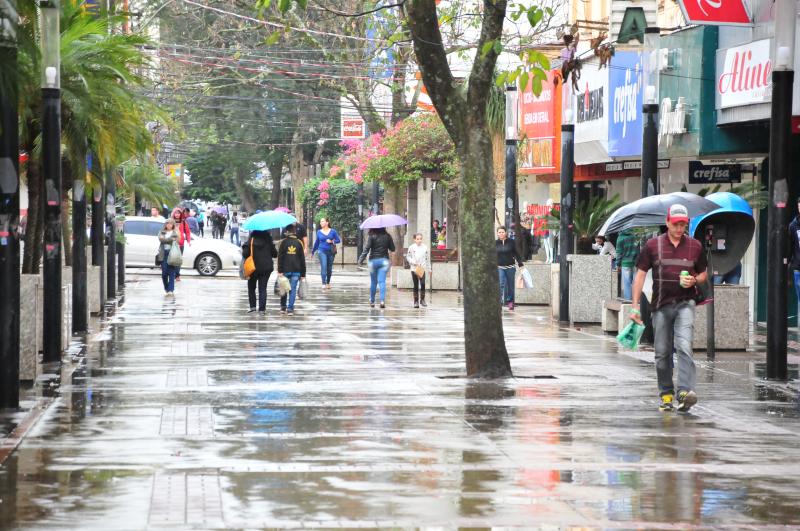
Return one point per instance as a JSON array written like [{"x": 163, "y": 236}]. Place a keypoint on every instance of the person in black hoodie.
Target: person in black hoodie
[
  {"x": 378, "y": 246},
  {"x": 292, "y": 265},
  {"x": 264, "y": 251},
  {"x": 506, "y": 268}
]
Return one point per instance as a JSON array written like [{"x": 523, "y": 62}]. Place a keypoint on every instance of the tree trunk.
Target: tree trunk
[
  {"x": 34, "y": 229},
  {"x": 240, "y": 181},
  {"x": 392, "y": 205},
  {"x": 297, "y": 170},
  {"x": 276, "y": 172},
  {"x": 67, "y": 178},
  {"x": 484, "y": 341}
]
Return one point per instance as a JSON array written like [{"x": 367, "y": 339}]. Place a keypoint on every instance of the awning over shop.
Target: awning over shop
[{"x": 592, "y": 152}]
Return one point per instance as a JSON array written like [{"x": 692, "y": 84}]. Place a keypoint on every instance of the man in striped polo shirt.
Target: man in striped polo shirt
[{"x": 668, "y": 255}]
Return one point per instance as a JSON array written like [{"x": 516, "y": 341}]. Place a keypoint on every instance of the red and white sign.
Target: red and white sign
[
  {"x": 353, "y": 128},
  {"x": 744, "y": 75},
  {"x": 538, "y": 120},
  {"x": 715, "y": 12}
]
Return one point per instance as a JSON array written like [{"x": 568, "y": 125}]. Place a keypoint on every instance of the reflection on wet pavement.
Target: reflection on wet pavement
[{"x": 194, "y": 414}]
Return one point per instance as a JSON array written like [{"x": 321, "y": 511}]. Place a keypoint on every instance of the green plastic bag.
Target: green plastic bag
[{"x": 630, "y": 335}]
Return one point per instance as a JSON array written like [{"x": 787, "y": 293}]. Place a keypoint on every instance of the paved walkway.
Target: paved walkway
[{"x": 191, "y": 413}]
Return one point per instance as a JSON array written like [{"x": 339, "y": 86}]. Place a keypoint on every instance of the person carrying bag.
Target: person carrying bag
[
  {"x": 169, "y": 255},
  {"x": 418, "y": 258}
]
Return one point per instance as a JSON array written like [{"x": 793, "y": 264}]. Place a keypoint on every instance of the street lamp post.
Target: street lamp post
[
  {"x": 779, "y": 200},
  {"x": 52, "y": 326},
  {"x": 80, "y": 305},
  {"x": 98, "y": 236},
  {"x": 9, "y": 215},
  {"x": 512, "y": 136},
  {"x": 567, "y": 202},
  {"x": 111, "y": 226}
]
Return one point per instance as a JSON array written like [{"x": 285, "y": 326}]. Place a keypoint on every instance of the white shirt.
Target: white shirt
[{"x": 417, "y": 255}]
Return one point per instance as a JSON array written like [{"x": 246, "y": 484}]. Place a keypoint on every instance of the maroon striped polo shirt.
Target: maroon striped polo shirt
[{"x": 667, "y": 265}]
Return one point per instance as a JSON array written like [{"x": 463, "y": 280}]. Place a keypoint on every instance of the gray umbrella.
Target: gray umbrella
[{"x": 650, "y": 211}]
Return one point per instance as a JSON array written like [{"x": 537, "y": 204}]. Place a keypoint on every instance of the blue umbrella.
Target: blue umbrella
[
  {"x": 383, "y": 221},
  {"x": 269, "y": 220}
]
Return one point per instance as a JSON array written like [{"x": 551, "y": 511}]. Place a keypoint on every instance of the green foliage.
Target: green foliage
[
  {"x": 416, "y": 145},
  {"x": 143, "y": 180},
  {"x": 341, "y": 208},
  {"x": 588, "y": 217}
]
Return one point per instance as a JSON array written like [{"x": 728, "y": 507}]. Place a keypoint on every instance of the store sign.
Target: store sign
[
  {"x": 672, "y": 122},
  {"x": 353, "y": 128},
  {"x": 744, "y": 75},
  {"x": 590, "y": 105},
  {"x": 627, "y": 91},
  {"x": 700, "y": 173},
  {"x": 539, "y": 216},
  {"x": 663, "y": 164},
  {"x": 538, "y": 152},
  {"x": 715, "y": 12},
  {"x": 591, "y": 110}
]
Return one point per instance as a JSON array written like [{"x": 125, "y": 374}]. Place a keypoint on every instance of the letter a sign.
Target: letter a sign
[{"x": 716, "y": 12}]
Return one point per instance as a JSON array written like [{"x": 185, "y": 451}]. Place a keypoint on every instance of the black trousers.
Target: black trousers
[
  {"x": 419, "y": 285},
  {"x": 261, "y": 280}
]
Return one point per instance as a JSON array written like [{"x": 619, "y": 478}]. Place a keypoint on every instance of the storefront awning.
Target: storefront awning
[{"x": 591, "y": 152}]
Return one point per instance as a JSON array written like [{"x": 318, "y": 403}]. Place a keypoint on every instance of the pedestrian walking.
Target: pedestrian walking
[
  {"x": 262, "y": 249},
  {"x": 235, "y": 228},
  {"x": 292, "y": 265},
  {"x": 223, "y": 223},
  {"x": 191, "y": 221},
  {"x": 679, "y": 265},
  {"x": 418, "y": 258},
  {"x": 379, "y": 245},
  {"x": 507, "y": 260},
  {"x": 300, "y": 231},
  {"x": 184, "y": 234},
  {"x": 325, "y": 243},
  {"x": 166, "y": 237},
  {"x": 627, "y": 254},
  {"x": 794, "y": 234},
  {"x": 201, "y": 223}
]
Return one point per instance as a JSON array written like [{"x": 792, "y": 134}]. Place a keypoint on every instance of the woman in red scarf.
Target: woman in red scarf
[{"x": 184, "y": 233}]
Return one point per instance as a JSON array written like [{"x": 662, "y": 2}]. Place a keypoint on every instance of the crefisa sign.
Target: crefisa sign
[
  {"x": 627, "y": 93},
  {"x": 700, "y": 173}
]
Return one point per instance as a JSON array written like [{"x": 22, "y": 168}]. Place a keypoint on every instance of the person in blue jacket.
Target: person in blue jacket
[{"x": 325, "y": 243}]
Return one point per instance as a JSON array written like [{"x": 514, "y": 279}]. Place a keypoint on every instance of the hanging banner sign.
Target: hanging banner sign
[
  {"x": 715, "y": 12},
  {"x": 700, "y": 173},
  {"x": 626, "y": 92},
  {"x": 538, "y": 150},
  {"x": 353, "y": 125},
  {"x": 744, "y": 75}
]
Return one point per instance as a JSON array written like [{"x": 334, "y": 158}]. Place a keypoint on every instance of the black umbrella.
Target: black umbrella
[{"x": 651, "y": 211}]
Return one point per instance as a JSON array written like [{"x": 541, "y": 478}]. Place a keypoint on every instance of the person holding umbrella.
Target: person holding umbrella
[
  {"x": 263, "y": 250},
  {"x": 378, "y": 246},
  {"x": 679, "y": 265}
]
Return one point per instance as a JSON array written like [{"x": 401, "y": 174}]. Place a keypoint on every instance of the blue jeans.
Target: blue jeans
[
  {"x": 378, "y": 268},
  {"x": 168, "y": 274},
  {"x": 326, "y": 266},
  {"x": 294, "y": 279},
  {"x": 673, "y": 327},
  {"x": 235, "y": 232},
  {"x": 797, "y": 285},
  {"x": 627, "y": 283},
  {"x": 507, "y": 277}
]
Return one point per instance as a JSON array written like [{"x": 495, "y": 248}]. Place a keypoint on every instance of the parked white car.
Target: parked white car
[{"x": 207, "y": 256}]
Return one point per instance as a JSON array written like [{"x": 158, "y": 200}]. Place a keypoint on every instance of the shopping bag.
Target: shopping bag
[
  {"x": 284, "y": 285},
  {"x": 249, "y": 263},
  {"x": 175, "y": 258},
  {"x": 527, "y": 278},
  {"x": 302, "y": 288},
  {"x": 520, "y": 283},
  {"x": 630, "y": 335},
  {"x": 419, "y": 271}
]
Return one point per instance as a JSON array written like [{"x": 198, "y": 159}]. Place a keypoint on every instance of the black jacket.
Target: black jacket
[
  {"x": 263, "y": 250},
  {"x": 507, "y": 253},
  {"x": 378, "y": 246},
  {"x": 794, "y": 234},
  {"x": 292, "y": 256}
]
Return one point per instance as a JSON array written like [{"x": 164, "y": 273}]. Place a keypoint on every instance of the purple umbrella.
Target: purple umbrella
[
  {"x": 383, "y": 221},
  {"x": 283, "y": 209},
  {"x": 221, "y": 210}
]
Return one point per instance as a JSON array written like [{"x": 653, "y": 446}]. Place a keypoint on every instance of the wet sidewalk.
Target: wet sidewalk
[{"x": 191, "y": 413}]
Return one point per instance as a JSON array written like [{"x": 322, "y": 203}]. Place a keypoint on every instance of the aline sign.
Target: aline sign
[
  {"x": 700, "y": 173},
  {"x": 744, "y": 75}
]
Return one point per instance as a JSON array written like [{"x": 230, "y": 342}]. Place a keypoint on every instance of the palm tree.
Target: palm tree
[
  {"x": 102, "y": 111},
  {"x": 145, "y": 181}
]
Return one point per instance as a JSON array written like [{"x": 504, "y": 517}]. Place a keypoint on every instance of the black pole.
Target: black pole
[
  {"x": 778, "y": 224},
  {"x": 511, "y": 184},
  {"x": 80, "y": 304},
  {"x": 121, "y": 264},
  {"x": 650, "y": 184},
  {"x": 567, "y": 204},
  {"x": 111, "y": 222},
  {"x": 51, "y": 272},
  {"x": 711, "y": 336},
  {"x": 360, "y": 233},
  {"x": 98, "y": 238},
  {"x": 376, "y": 197},
  {"x": 9, "y": 216}
]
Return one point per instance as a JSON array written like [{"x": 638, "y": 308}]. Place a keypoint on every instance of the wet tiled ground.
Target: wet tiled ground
[{"x": 191, "y": 413}]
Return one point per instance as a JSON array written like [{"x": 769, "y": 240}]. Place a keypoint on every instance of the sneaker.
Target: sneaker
[
  {"x": 290, "y": 312},
  {"x": 422, "y": 303},
  {"x": 177, "y": 279},
  {"x": 262, "y": 312},
  {"x": 283, "y": 310},
  {"x": 251, "y": 310},
  {"x": 371, "y": 304},
  {"x": 383, "y": 305},
  {"x": 416, "y": 305},
  {"x": 511, "y": 306},
  {"x": 686, "y": 399},
  {"x": 666, "y": 402}
]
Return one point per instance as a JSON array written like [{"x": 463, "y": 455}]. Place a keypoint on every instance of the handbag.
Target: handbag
[
  {"x": 284, "y": 285},
  {"x": 249, "y": 263},
  {"x": 175, "y": 258},
  {"x": 527, "y": 279},
  {"x": 419, "y": 271},
  {"x": 302, "y": 288}
]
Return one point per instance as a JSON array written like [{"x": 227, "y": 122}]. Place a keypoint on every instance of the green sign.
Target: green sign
[{"x": 633, "y": 25}]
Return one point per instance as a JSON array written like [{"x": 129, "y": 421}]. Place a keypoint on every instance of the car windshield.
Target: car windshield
[{"x": 144, "y": 228}]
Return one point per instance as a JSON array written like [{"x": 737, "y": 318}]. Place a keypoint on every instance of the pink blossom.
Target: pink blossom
[
  {"x": 324, "y": 196},
  {"x": 324, "y": 185}
]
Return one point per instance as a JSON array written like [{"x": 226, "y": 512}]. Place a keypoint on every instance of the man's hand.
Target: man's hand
[
  {"x": 636, "y": 315},
  {"x": 688, "y": 281}
]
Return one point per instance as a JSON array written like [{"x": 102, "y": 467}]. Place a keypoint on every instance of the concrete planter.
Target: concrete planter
[
  {"x": 93, "y": 289},
  {"x": 555, "y": 274},
  {"x": 590, "y": 283},
  {"x": 540, "y": 293},
  {"x": 444, "y": 276},
  {"x": 731, "y": 319}
]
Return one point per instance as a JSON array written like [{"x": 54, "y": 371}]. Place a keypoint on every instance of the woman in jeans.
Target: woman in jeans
[
  {"x": 325, "y": 243},
  {"x": 184, "y": 234},
  {"x": 506, "y": 257},
  {"x": 166, "y": 237},
  {"x": 379, "y": 245}
]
